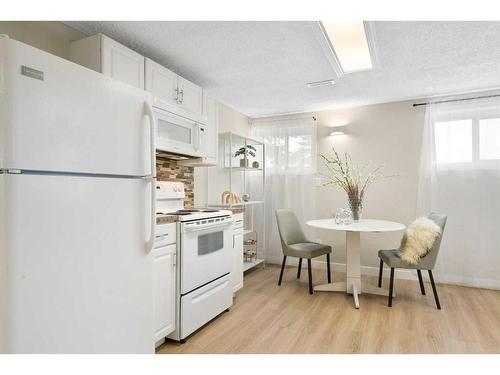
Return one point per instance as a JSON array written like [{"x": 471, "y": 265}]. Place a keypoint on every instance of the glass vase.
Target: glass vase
[{"x": 356, "y": 206}]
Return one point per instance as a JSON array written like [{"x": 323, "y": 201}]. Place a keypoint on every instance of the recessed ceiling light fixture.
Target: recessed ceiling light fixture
[
  {"x": 351, "y": 43},
  {"x": 328, "y": 82}
]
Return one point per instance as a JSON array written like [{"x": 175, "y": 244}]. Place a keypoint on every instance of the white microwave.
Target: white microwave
[{"x": 178, "y": 135}]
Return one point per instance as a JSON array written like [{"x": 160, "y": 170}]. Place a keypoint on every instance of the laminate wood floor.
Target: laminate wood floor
[{"x": 266, "y": 318}]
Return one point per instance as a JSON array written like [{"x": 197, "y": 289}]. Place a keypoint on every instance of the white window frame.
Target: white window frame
[{"x": 476, "y": 162}]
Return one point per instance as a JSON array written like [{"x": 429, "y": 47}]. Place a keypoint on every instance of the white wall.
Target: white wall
[
  {"x": 233, "y": 121},
  {"x": 52, "y": 37},
  {"x": 388, "y": 134}
]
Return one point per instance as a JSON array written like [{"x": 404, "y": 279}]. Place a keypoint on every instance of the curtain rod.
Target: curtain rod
[
  {"x": 282, "y": 118},
  {"x": 455, "y": 100}
]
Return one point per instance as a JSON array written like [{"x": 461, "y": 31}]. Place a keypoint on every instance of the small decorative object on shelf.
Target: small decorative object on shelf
[
  {"x": 343, "y": 173},
  {"x": 246, "y": 197},
  {"x": 250, "y": 247},
  {"x": 230, "y": 198},
  {"x": 250, "y": 250},
  {"x": 255, "y": 164},
  {"x": 245, "y": 151}
]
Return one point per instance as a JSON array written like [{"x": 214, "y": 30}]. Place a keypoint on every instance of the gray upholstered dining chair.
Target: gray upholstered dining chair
[
  {"x": 393, "y": 260},
  {"x": 295, "y": 244}
]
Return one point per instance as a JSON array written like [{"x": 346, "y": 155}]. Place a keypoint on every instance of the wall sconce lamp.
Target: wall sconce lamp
[{"x": 338, "y": 130}]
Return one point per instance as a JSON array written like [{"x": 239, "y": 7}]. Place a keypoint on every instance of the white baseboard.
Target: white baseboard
[{"x": 399, "y": 274}]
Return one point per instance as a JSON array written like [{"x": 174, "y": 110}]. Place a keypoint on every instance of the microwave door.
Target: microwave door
[{"x": 176, "y": 134}]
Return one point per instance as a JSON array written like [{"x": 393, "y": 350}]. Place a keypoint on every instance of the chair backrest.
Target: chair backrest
[
  {"x": 289, "y": 227},
  {"x": 430, "y": 259}
]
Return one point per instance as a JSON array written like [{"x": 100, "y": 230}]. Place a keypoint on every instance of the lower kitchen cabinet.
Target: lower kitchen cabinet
[
  {"x": 237, "y": 272},
  {"x": 164, "y": 289}
]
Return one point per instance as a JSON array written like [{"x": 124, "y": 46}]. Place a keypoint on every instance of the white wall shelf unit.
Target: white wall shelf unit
[{"x": 241, "y": 171}]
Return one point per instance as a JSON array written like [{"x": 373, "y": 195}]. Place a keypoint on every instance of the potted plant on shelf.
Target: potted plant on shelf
[
  {"x": 343, "y": 173},
  {"x": 245, "y": 151}
]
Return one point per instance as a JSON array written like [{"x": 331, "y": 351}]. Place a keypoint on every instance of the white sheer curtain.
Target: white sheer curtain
[
  {"x": 460, "y": 177},
  {"x": 291, "y": 155}
]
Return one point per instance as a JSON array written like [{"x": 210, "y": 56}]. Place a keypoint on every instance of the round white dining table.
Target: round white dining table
[{"x": 353, "y": 284}]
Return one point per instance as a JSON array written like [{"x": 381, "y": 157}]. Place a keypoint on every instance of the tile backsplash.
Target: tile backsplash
[{"x": 169, "y": 170}]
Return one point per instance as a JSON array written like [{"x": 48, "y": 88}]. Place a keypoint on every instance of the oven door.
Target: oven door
[
  {"x": 177, "y": 134},
  {"x": 205, "y": 251}
]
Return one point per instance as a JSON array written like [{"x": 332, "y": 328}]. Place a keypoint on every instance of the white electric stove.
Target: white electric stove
[
  {"x": 204, "y": 248},
  {"x": 170, "y": 197}
]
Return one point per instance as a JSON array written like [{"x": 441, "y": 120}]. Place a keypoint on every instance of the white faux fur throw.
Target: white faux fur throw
[{"x": 418, "y": 239}]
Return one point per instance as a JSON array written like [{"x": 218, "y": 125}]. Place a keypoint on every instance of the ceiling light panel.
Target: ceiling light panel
[{"x": 349, "y": 41}]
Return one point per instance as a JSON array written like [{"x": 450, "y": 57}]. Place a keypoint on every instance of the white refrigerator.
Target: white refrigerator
[{"x": 77, "y": 214}]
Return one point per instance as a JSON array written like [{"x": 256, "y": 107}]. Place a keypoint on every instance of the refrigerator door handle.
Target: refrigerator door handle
[
  {"x": 151, "y": 242},
  {"x": 152, "y": 177},
  {"x": 152, "y": 135}
]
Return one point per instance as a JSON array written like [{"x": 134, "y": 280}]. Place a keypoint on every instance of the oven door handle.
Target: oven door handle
[{"x": 200, "y": 227}]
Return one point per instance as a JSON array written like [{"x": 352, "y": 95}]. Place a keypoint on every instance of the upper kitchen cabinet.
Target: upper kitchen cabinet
[
  {"x": 104, "y": 55},
  {"x": 174, "y": 93},
  {"x": 209, "y": 137},
  {"x": 190, "y": 96},
  {"x": 162, "y": 83}
]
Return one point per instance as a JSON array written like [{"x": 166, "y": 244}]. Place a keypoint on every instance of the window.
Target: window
[
  {"x": 290, "y": 146},
  {"x": 470, "y": 140},
  {"x": 453, "y": 141}
]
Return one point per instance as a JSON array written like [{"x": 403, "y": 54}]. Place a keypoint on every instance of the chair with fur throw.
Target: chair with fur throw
[{"x": 418, "y": 251}]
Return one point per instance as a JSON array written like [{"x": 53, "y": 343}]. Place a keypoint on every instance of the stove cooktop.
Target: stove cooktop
[
  {"x": 193, "y": 214},
  {"x": 187, "y": 212}
]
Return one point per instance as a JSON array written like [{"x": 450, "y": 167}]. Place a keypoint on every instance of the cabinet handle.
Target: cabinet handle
[
  {"x": 174, "y": 260},
  {"x": 197, "y": 135},
  {"x": 182, "y": 95},
  {"x": 177, "y": 95}
]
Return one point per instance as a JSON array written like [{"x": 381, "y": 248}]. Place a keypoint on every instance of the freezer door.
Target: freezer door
[
  {"x": 59, "y": 116},
  {"x": 75, "y": 274}
]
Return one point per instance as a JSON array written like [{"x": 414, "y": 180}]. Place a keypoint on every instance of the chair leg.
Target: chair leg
[
  {"x": 329, "y": 275},
  {"x": 300, "y": 267},
  {"x": 434, "y": 290},
  {"x": 380, "y": 273},
  {"x": 391, "y": 287},
  {"x": 282, "y": 269},
  {"x": 310, "y": 276},
  {"x": 421, "y": 281}
]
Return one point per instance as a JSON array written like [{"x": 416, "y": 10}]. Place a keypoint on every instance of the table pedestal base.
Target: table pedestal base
[
  {"x": 353, "y": 285},
  {"x": 341, "y": 286}
]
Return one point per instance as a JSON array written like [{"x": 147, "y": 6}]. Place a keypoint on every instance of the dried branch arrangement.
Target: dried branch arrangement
[{"x": 347, "y": 175}]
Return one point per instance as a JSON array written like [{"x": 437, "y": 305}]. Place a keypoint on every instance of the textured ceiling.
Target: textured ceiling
[{"x": 261, "y": 68}]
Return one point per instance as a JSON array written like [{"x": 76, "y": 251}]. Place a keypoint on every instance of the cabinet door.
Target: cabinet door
[
  {"x": 164, "y": 291},
  {"x": 190, "y": 96},
  {"x": 237, "y": 274},
  {"x": 162, "y": 83},
  {"x": 120, "y": 62},
  {"x": 210, "y": 140}
]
